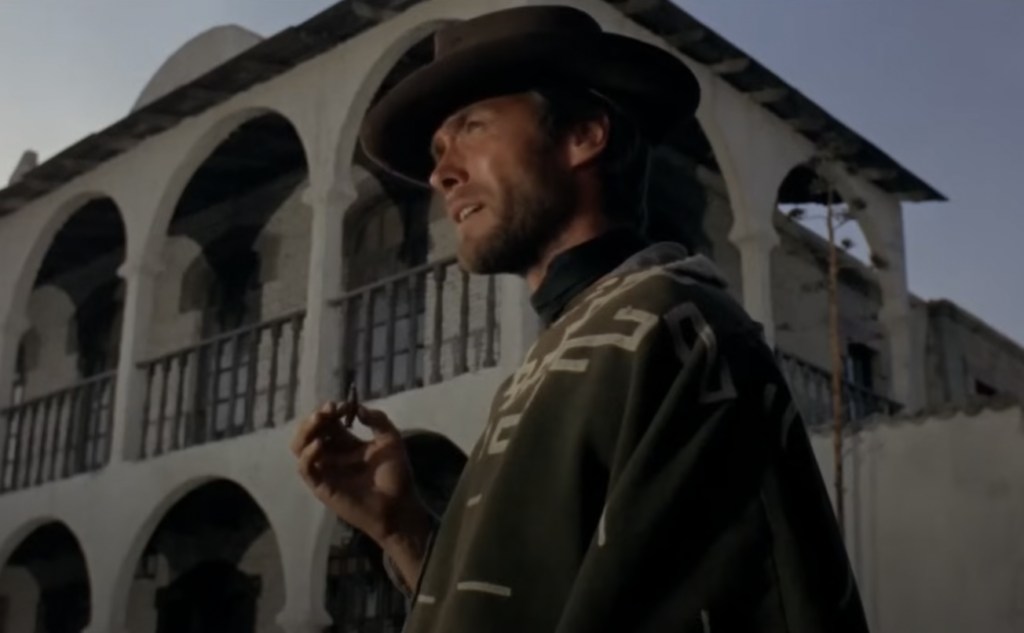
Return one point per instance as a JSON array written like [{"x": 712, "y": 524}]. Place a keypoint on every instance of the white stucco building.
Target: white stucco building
[{"x": 177, "y": 288}]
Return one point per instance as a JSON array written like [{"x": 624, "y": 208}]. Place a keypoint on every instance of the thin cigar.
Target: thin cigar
[{"x": 353, "y": 405}]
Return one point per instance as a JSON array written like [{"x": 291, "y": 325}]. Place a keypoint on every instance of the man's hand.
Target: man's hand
[{"x": 367, "y": 484}]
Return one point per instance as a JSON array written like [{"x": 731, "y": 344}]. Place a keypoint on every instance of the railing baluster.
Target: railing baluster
[
  {"x": 7, "y": 419},
  {"x": 69, "y": 433},
  {"x": 345, "y": 341},
  {"x": 365, "y": 372},
  {"x": 19, "y": 446},
  {"x": 213, "y": 403},
  {"x": 251, "y": 383},
  {"x": 161, "y": 420},
  {"x": 30, "y": 445},
  {"x": 44, "y": 441},
  {"x": 462, "y": 360},
  {"x": 236, "y": 364},
  {"x": 293, "y": 373},
  {"x": 435, "y": 344},
  {"x": 391, "y": 298},
  {"x": 275, "y": 346},
  {"x": 109, "y": 386},
  {"x": 147, "y": 404},
  {"x": 491, "y": 323},
  {"x": 179, "y": 400},
  {"x": 413, "y": 339},
  {"x": 54, "y": 451}
]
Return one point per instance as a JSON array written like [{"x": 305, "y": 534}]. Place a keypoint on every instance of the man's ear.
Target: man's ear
[{"x": 588, "y": 140}]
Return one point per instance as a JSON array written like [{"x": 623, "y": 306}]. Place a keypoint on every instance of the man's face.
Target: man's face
[{"x": 507, "y": 187}]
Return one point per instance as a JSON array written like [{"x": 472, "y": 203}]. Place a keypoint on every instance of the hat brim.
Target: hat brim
[{"x": 650, "y": 84}]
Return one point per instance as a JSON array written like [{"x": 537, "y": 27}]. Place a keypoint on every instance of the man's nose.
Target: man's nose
[{"x": 448, "y": 173}]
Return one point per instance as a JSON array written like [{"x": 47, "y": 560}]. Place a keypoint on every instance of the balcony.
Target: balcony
[
  {"x": 422, "y": 327},
  {"x": 57, "y": 435},
  {"x": 812, "y": 390},
  {"x": 225, "y": 386}
]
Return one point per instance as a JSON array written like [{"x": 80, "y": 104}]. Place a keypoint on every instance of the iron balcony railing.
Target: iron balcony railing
[
  {"x": 812, "y": 389},
  {"x": 225, "y": 386},
  {"x": 424, "y": 326},
  {"x": 57, "y": 435}
]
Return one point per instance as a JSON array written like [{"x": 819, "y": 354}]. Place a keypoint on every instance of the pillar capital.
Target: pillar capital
[
  {"x": 312, "y": 621},
  {"x": 327, "y": 193},
  {"x": 147, "y": 265}
]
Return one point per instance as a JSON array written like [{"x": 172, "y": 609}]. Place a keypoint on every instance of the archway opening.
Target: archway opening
[
  {"x": 803, "y": 300},
  {"x": 228, "y": 317},
  {"x": 61, "y": 412},
  {"x": 212, "y": 565},
  {"x": 44, "y": 586}
]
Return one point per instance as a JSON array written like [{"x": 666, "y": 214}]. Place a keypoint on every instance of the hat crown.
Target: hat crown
[{"x": 515, "y": 22}]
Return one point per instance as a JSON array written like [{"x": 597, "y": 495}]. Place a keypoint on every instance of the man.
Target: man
[{"x": 645, "y": 470}]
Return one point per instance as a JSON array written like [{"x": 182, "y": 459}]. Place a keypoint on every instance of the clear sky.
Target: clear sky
[{"x": 938, "y": 85}]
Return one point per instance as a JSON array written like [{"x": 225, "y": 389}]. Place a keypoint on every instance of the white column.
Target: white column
[
  {"x": 139, "y": 275},
  {"x": 755, "y": 152},
  {"x": 519, "y": 325},
  {"x": 303, "y": 528},
  {"x": 328, "y": 202},
  {"x": 880, "y": 217},
  {"x": 755, "y": 247}
]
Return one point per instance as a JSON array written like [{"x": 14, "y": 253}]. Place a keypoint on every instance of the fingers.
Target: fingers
[
  {"x": 320, "y": 424},
  {"x": 326, "y": 425},
  {"x": 316, "y": 462},
  {"x": 377, "y": 421},
  {"x": 309, "y": 456}
]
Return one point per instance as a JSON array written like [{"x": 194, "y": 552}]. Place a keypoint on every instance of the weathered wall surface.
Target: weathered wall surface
[{"x": 935, "y": 519}]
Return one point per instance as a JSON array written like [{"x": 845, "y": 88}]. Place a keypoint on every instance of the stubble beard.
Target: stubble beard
[{"x": 533, "y": 212}]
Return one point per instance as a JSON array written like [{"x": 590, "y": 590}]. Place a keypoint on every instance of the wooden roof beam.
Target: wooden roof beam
[
  {"x": 685, "y": 38},
  {"x": 730, "y": 66},
  {"x": 768, "y": 95},
  {"x": 370, "y": 11}
]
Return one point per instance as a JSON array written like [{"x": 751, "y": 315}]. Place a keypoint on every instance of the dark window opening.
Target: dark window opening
[
  {"x": 360, "y": 597},
  {"x": 859, "y": 365},
  {"x": 984, "y": 390},
  {"x": 234, "y": 303}
]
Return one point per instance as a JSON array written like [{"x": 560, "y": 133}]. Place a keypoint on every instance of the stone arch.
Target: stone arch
[
  {"x": 202, "y": 148},
  {"x": 57, "y": 581},
  {"x": 34, "y": 259},
  {"x": 153, "y": 516},
  {"x": 15, "y": 537},
  {"x": 374, "y": 78}
]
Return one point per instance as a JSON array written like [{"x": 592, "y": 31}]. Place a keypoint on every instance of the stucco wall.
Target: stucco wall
[
  {"x": 935, "y": 520},
  {"x": 962, "y": 350},
  {"x": 113, "y": 512}
]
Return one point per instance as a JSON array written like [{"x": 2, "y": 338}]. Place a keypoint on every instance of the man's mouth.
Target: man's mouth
[{"x": 468, "y": 211}]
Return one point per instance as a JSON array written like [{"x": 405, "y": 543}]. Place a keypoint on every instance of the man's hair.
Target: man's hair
[{"x": 622, "y": 163}]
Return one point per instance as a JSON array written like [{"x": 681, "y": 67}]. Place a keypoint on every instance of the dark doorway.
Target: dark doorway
[
  {"x": 212, "y": 597},
  {"x": 63, "y": 609}
]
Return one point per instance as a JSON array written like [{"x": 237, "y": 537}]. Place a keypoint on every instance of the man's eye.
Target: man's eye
[{"x": 474, "y": 125}]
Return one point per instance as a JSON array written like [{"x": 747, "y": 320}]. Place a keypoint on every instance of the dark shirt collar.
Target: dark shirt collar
[{"x": 576, "y": 269}]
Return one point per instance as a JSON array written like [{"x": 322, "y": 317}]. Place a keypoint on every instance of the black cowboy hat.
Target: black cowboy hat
[{"x": 517, "y": 50}]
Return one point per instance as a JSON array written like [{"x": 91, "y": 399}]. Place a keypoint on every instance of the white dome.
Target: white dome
[{"x": 195, "y": 58}]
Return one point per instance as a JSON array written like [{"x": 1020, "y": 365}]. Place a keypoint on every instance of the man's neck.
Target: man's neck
[
  {"x": 575, "y": 269},
  {"x": 580, "y": 231}
]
